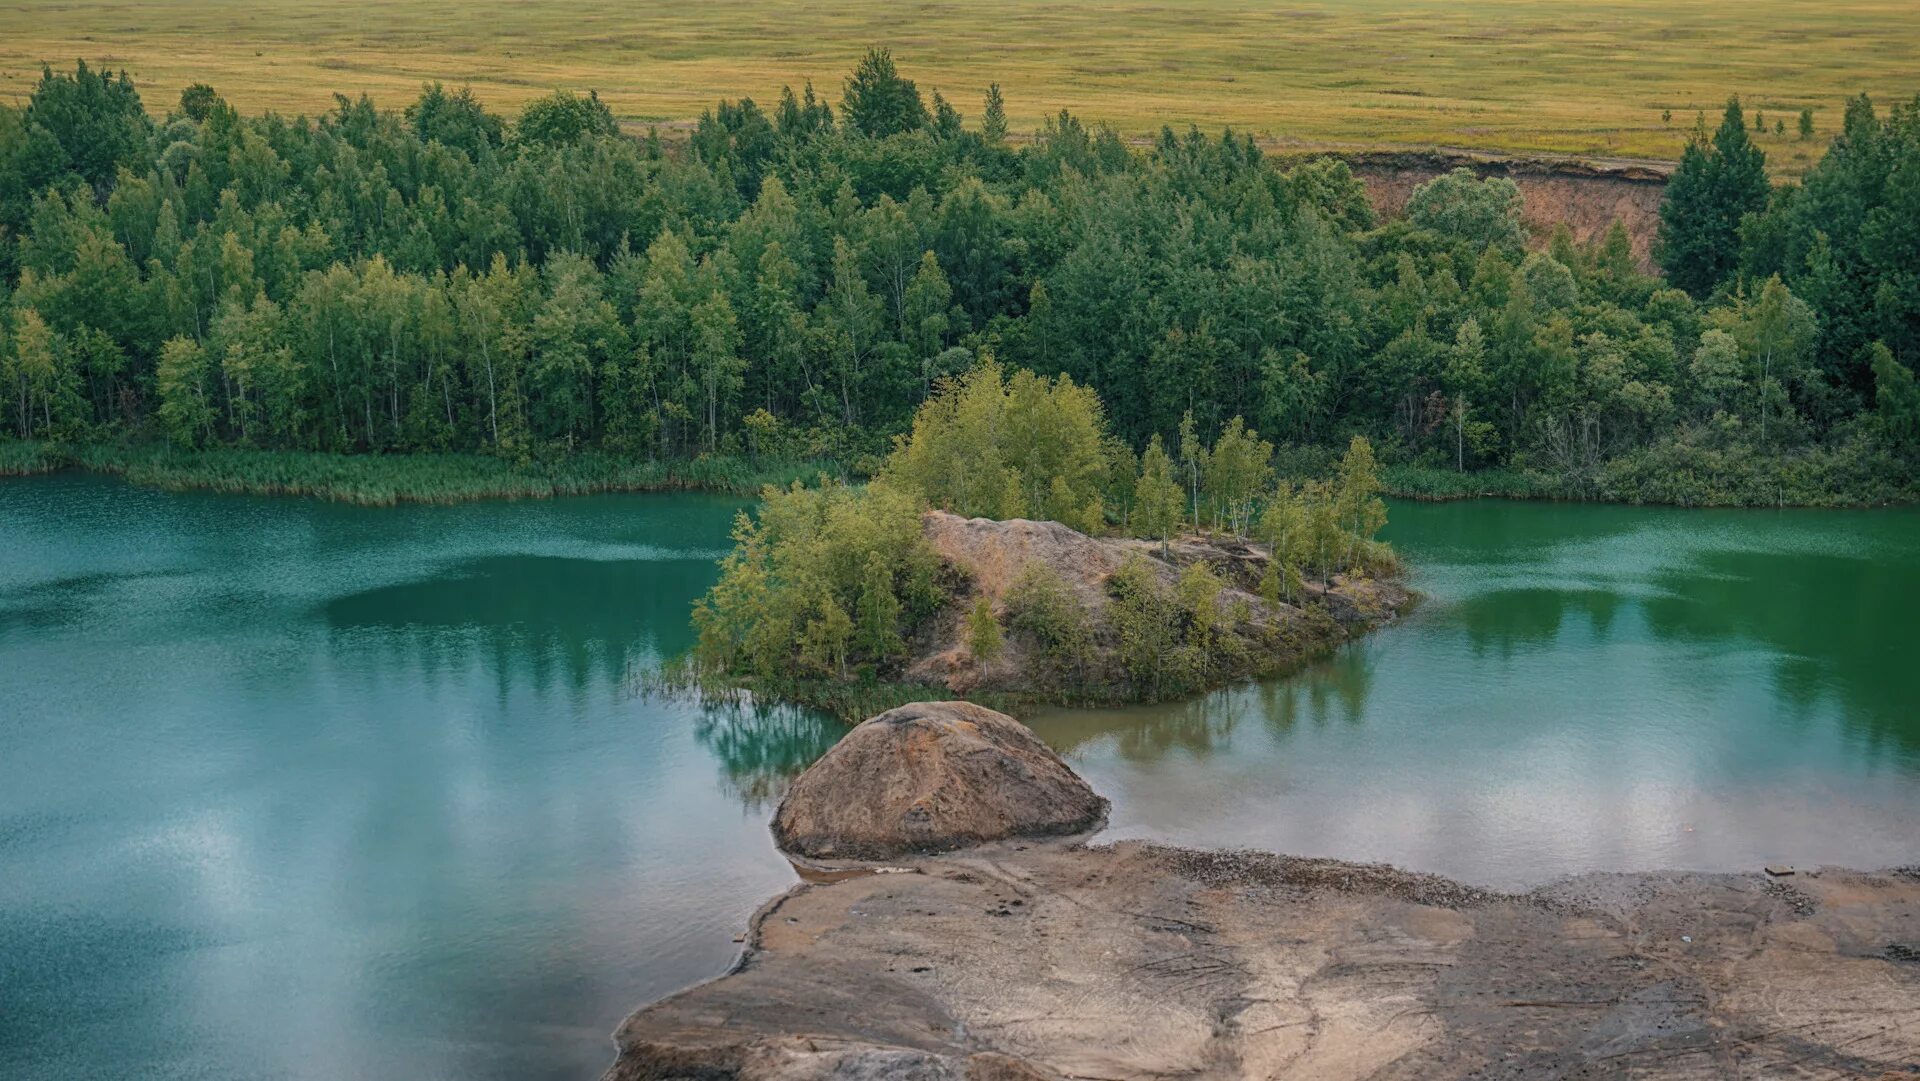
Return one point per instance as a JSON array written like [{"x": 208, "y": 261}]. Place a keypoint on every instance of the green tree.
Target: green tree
[
  {"x": 574, "y": 335},
  {"x": 1043, "y": 609},
  {"x": 1474, "y": 213},
  {"x": 850, "y": 318},
  {"x": 1236, "y": 475},
  {"x": 1157, "y": 498},
  {"x": 1716, "y": 185},
  {"x": 180, "y": 380},
  {"x": 993, "y": 119},
  {"x": 1141, "y": 610},
  {"x": 96, "y": 119},
  {"x": 1776, "y": 333},
  {"x": 1281, "y": 527},
  {"x": 454, "y": 119},
  {"x": 563, "y": 119},
  {"x": 1193, "y": 461},
  {"x": 198, "y": 101},
  {"x": 878, "y": 102},
  {"x": 822, "y": 579},
  {"x": 716, "y": 356},
  {"x": 1897, "y": 398},
  {"x": 984, "y": 640},
  {"x": 1465, "y": 380},
  {"x": 46, "y": 387},
  {"x": 926, "y": 315},
  {"x": 878, "y": 634},
  {"x": 1356, "y": 496}
]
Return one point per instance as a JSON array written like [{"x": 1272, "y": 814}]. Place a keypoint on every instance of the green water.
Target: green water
[
  {"x": 1584, "y": 688},
  {"x": 294, "y": 790}
]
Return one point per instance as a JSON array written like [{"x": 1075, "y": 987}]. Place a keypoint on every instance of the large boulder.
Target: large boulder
[{"x": 930, "y": 777}]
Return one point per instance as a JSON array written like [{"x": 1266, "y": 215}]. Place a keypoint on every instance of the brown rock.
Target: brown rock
[
  {"x": 930, "y": 777},
  {"x": 1140, "y": 963}
]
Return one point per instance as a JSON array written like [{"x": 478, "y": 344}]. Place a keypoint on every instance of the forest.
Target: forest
[{"x": 793, "y": 282}]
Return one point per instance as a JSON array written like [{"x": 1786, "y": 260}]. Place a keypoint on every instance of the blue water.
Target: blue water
[{"x": 296, "y": 790}]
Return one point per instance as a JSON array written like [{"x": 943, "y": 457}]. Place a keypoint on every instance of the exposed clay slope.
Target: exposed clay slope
[
  {"x": 929, "y": 777},
  {"x": 1264, "y": 638},
  {"x": 1143, "y": 962},
  {"x": 1586, "y": 197}
]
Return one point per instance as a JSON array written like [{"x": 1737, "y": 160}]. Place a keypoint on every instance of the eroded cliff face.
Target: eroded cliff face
[{"x": 1587, "y": 197}]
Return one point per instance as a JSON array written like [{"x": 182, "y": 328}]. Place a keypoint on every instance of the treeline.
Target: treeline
[{"x": 795, "y": 280}]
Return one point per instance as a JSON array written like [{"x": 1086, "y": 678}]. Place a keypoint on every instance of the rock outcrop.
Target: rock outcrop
[
  {"x": 931, "y": 777},
  {"x": 1048, "y": 960},
  {"x": 1137, "y": 962}
]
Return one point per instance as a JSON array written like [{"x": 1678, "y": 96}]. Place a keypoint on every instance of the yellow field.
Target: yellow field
[{"x": 1509, "y": 75}]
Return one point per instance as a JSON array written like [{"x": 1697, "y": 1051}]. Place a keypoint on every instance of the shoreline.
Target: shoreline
[
  {"x": 1224, "y": 960},
  {"x": 372, "y": 479},
  {"x": 392, "y": 479}
]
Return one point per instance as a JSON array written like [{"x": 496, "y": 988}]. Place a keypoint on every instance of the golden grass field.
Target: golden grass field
[{"x": 1501, "y": 75}]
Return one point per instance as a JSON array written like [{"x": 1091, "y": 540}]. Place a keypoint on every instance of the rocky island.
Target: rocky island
[
  {"x": 1013, "y": 549},
  {"x": 1027, "y": 955}
]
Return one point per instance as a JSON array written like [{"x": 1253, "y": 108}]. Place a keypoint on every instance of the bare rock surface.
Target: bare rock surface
[
  {"x": 929, "y": 777},
  {"x": 1051, "y": 961}
]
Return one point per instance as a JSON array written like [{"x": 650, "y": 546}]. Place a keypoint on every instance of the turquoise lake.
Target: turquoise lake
[{"x": 296, "y": 790}]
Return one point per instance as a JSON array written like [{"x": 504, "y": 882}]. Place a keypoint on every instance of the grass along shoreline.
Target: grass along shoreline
[
  {"x": 388, "y": 479},
  {"x": 1679, "y": 476}
]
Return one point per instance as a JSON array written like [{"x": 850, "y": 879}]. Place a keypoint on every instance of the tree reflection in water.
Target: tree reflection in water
[
  {"x": 761, "y": 746},
  {"x": 1334, "y": 689}
]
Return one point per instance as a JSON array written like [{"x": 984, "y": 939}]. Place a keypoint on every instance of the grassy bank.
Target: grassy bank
[
  {"x": 1688, "y": 475},
  {"x": 1684, "y": 476},
  {"x": 379, "y": 480},
  {"x": 1489, "y": 74},
  {"x": 1439, "y": 485}
]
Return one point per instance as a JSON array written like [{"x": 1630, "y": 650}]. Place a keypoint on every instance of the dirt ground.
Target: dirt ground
[{"x": 1054, "y": 961}]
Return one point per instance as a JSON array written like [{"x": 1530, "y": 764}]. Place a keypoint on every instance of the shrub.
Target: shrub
[
  {"x": 823, "y": 580},
  {"x": 1042, "y": 607},
  {"x": 983, "y": 631}
]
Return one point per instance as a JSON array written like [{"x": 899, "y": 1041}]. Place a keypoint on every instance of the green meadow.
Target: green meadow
[{"x": 1591, "y": 79}]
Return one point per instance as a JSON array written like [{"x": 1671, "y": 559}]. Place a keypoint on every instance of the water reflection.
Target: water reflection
[
  {"x": 298, "y": 790},
  {"x": 48, "y": 604},
  {"x": 762, "y": 746},
  {"x": 1331, "y": 691},
  {"x": 1586, "y": 688},
  {"x": 548, "y": 620},
  {"x": 1145, "y": 733},
  {"x": 1502, "y": 620},
  {"x": 1835, "y": 628}
]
